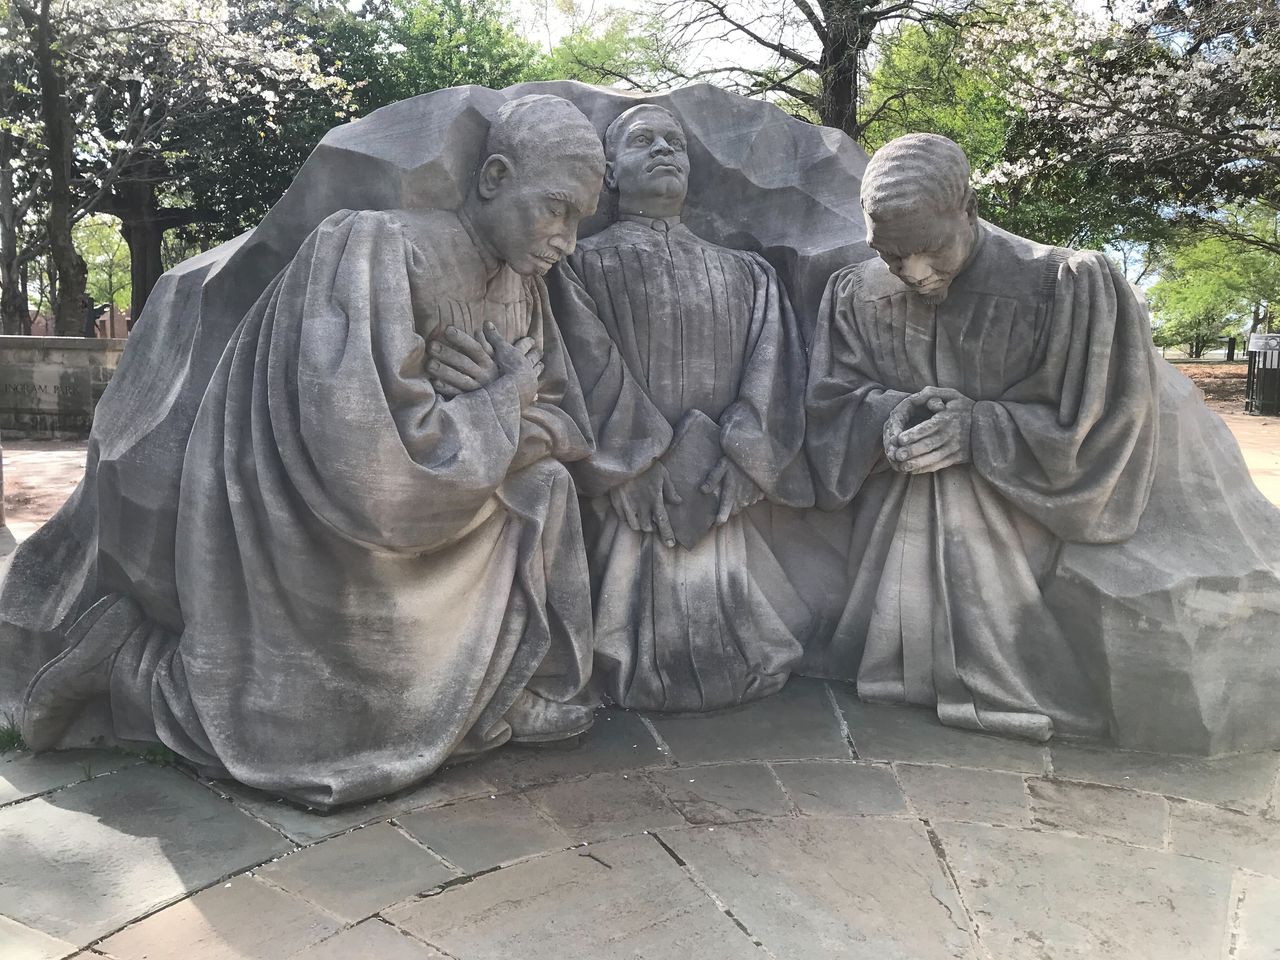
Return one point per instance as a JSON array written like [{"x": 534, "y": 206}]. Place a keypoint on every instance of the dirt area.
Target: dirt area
[{"x": 1222, "y": 383}]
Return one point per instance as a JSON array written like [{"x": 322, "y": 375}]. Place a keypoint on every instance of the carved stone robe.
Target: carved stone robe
[
  {"x": 667, "y": 331},
  {"x": 947, "y": 605},
  {"x": 367, "y": 574}
]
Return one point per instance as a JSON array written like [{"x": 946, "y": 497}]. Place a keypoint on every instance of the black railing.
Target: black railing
[{"x": 1262, "y": 388}]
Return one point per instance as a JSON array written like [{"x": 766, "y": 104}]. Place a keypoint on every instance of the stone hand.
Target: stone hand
[
  {"x": 940, "y": 441},
  {"x": 641, "y": 502},
  {"x": 461, "y": 363},
  {"x": 735, "y": 489}
]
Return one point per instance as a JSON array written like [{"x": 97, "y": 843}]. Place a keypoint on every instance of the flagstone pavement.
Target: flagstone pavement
[{"x": 807, "y": 826}]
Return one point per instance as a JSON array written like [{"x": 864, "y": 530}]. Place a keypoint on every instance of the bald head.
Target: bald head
[
  {"x": 914, "y": 172},
  {"x": 647, "y": 162},
  {"x": 540, "y": 130},
  {"x": 613, "y": 135}
]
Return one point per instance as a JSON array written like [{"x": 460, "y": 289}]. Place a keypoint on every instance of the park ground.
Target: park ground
[{"x": 809, "y": 826}]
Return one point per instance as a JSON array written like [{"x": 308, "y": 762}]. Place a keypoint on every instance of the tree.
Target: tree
[
  {"x": 1177, "y": 101},
  {"x": 100, "y": 242}
]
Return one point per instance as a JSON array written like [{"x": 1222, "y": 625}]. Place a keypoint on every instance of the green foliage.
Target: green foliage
[
  {"x": 610, "y": 48},
  {"x": 10, "y": 734},
  {"x": 105, "y": 252}
]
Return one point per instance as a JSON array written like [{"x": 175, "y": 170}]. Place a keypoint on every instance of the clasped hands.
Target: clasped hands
[
  {"x": 641, "y": 502},
  {"x": 940, "y": 441},
  {"x": 461, "y": 363}
]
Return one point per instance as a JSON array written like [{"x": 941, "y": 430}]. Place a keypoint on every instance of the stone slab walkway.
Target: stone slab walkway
[{"x": 805, "y": 827}]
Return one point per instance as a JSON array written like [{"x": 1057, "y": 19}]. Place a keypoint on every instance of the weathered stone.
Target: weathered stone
[
  {"x": 798, "y": 724},
  {"x": 1259, "y": 923},
  {"x": 724, "y": 792},
  {"x": 1037, "y": 895},
  {"x": 243, "y": 919},
  {"x": 884, "y": 732},
  {"x": 1098, "y": 811},
  {"x": 358, "y": 873},
  {"x": 603, "y": 806},
  {"x": 50, "y": 385},
  {"x": 484, "y": 833},
  {"x": 1241, "y": 782},
  {"x": 1211, "y": 833},
  {"x": 862, "y": 889},
  {"x": 371, "y": 940},
  {"x": 841, "y": 789},
  {"x": 981, "y": 796},
  {"x": 27, "y": 775},
  {"x": 86, "y": 860},
  {"x": 626, "y": 898},
  {"x": 19, "y": 942},
  {"x": 302, "y": 826}
]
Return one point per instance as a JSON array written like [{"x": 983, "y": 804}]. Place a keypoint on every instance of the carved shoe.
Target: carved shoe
[
  {"x": 79, "y": 674},
  {"x": 536, "y": 719}
]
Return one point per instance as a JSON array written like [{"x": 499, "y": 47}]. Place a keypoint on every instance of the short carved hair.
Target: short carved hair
[
  {"x": 623, "y": 120},
  {"x": 540, "y": 130},
  {"x": 914, "y": 171}
]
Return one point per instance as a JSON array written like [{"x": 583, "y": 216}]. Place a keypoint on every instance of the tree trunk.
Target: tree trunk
[
  {"x": 144, "y": 236},
  {"x": 59, "y": 137},
  {"x": 143, "y": 223}
]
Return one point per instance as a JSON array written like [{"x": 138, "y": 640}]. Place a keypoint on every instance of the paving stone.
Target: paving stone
[
  {"x": 303, "y": 826},
  {"x": 861, "y": 889},
  {"x": 617, "y": 741},
  {"x": 20, "y": 942},
  {"x": 1044, "y": 895},
  {"x": 1226, "y": 836},
  {"x": 724, "y": 793},
  {"x": 1242, "y": 782},
  {"x": 360, "y": 872},
  {"x": 797, "y": 723},
  {"x": 25, "y": 775},
  {"x": 841, "y": 789},
  {"x": 603, "y": 806},
  {"x": 478, "y": 834},
  {"x": 625, "y": 898},
  {"x": 1097, "y": 811},
  {"x": 981, "y": 796},
  {"x": 83, "y": 861},
  {"x": 1259, "y": 931},
  {"x": 371, "y": 940},
  {"x": 913, "y": 734},
  {"x": 243, "y": 919}
]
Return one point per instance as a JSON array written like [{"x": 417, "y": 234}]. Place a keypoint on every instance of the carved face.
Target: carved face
[
  {"x": 532, "y": 216},
  {"x": 924, "y": 249},
  {"x": 649, "y": 162}
]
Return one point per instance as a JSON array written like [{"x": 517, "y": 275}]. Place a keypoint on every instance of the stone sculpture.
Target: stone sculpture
[
  {"x": 694, "y": 372},
  {"x": 1014, "y": 449},
  {"x": 374, "y": 574}
]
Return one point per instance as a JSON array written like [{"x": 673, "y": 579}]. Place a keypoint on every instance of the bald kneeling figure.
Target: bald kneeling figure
[
  {"x": 379, "y": 555},
  {"x": 981, "y": 399}
]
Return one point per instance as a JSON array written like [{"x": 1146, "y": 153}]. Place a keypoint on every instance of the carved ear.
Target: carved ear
[
  {"x": 971, "y": 206},
  {"x": 493, "y": 172},
  {"x": 610, "y": 177}
]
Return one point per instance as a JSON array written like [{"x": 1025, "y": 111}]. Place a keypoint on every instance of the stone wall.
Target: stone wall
[{"x": 49, "y": 386}]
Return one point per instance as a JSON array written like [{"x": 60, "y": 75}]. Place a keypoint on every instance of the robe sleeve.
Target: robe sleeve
[
  {"x": 846, "y": 403},
  {"x": 630, "y": 432},
  {"x": 556, "y": 424},
  {"x": 363, "y": 438},
  {"x": 763, "y": 430},
  {"x": 1074, "y": 443}
]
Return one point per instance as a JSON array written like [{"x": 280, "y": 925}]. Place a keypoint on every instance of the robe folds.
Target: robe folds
[
  {"x": 368, "y": 574},
  {"x": 947, "y": 604},
  {"x": 670, "y": 334}
]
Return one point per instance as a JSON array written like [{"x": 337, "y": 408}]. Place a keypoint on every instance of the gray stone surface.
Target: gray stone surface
[
  {"x": 603, "y": 806},
  {"x": 982, "y": 796},
  {"x": 627, "y": 898},
  {"x": 371, "y": 940},
  {"x": 1098, "y": 811},
  {"x": 243, "y": 919},
  {"x": 86, "y": 860},
  {"x": 19, "y": 942},
  {"x": 480, "y": 834},
  {"x": 798, "y": 723},
  {"x": 1241, "y": 782},
  {"x": 50, "y": 385},
  {"x": 860, "y": 889},
  {"x": 25, "y": 775},
  {"x": 883, "y": 732},
  {"x": 355, "y": 875},
  {"x": 724, "y": 792},
  {"x": 1226, "y": 836},
  {"x": 1258, "y": 935},
  {"x": 1036, "y": 895},
  {"x": 841, "y": 789}
]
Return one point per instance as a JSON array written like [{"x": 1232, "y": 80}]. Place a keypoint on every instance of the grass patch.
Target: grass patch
[{"x": 10, "y": 734}]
